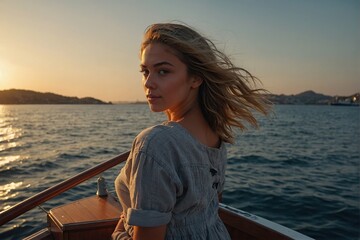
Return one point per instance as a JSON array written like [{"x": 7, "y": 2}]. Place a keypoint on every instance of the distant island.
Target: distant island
[
  {"x": 17, "y": 96},
  {"x": 313, "y": 98}
]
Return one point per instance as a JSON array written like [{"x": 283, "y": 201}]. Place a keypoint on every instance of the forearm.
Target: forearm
[{"x": 149, "y": 233}]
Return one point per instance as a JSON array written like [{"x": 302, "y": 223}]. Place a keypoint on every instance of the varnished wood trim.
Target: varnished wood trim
[
  {"x": 241, "y": 227},
  {"x": 43, "y": 234}
]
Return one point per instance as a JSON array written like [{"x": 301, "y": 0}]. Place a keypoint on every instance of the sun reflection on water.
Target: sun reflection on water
[
  {"x": 8, "y": 159},
  {"x": 6, "y": 192},
  {"x": 8, "y": 146},
  {"x": 9, "y": 133},
  {"x": 7, "y": 188},
  {"x": 9, "y": 137}
]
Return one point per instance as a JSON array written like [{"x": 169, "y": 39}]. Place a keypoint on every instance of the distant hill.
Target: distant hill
[
  {"x": 17, "y": 96},
  {"x": 307, "y": 98}
]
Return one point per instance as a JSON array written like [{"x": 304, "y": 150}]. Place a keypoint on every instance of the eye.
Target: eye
[
  {"x": 163, "y": 72},
  {"x": 144, "y": 72}
]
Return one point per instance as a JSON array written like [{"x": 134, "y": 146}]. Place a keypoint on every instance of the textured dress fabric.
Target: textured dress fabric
[{"x": 172, "y": 179}]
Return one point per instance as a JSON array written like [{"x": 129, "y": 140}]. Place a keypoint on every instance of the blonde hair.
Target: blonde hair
[{"x": 228, "y": 94}]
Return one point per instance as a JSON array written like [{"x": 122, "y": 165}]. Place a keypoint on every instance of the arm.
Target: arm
[{"x": 149, "y": 233}]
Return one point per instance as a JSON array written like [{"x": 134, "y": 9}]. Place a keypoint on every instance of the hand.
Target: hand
[{"x": 120, "y": 225}]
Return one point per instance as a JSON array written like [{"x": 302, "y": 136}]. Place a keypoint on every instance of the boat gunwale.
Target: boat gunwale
[{"x": 281, "y": 231}]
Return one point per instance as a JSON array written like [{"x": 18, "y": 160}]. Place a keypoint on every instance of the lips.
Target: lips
[{"x": 152, "y": 97}]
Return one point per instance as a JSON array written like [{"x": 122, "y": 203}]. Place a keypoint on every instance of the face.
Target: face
[{"x": 167, "y": 84}]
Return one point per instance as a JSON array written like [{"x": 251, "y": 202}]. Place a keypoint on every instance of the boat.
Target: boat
[
  {"x": 95, "y": 217},
  {"x": 347, "y": 101}
]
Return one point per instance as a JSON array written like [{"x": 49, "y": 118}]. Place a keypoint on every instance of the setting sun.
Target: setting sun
[
  {"x": 3, "y": 82},
  {"x": 4, "y": 75},
  {"x": 2, "y": 72}
]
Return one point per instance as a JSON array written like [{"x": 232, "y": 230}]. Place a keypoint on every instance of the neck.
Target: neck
[
  {"x": 182, "y": 115},
  {"x": 184, "y": 110},
  {"x": 192, "y": 119}
]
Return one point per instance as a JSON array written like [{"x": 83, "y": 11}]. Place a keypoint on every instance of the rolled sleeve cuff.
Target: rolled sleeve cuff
[{"x": 147, "y": 218}]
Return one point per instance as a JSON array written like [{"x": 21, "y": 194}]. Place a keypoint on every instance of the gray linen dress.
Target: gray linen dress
[{"x": 172, "y": 179}]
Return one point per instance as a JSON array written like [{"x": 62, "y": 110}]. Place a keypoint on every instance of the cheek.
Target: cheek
[
  {"x": 174, "y": 91},
  {"x": 143, "y": 81},
  {"x": 172, "y": 87},
  {"x": 179, "y": 83}
]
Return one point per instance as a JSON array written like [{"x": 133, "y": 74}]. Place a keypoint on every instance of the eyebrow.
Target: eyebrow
[{"x": 158, "y": 64}]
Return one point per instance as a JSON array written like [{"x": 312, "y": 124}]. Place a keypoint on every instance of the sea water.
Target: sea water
[{"x": 299, "y": 169}]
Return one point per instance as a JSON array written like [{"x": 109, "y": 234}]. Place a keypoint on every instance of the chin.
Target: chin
[{"x": 154, "y": 108}]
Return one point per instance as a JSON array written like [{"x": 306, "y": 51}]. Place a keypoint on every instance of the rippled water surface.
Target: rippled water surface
[{"x": 300, "y": 169}]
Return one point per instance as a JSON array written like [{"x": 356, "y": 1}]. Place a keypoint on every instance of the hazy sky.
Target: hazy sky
[{"x": 90, "y": 48}]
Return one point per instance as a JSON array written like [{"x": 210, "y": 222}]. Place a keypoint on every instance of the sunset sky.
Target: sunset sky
[{"x": 91, "y": 48}]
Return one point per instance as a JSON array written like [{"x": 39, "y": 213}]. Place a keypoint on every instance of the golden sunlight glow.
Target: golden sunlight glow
[
  {"x": 2, "y": 71},
  {"x": 4, "y": 74}
]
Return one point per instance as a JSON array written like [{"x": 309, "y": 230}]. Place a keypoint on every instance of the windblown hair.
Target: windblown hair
[{"x": 228, "y": 94}]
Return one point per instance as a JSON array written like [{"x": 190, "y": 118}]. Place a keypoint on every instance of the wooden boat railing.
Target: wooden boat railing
[{"x": 36, "y": 200}]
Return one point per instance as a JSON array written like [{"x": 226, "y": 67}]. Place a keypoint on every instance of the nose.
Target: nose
[{"x": 149, "y": 82}]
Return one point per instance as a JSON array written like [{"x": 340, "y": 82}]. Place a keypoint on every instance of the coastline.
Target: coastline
[{"x": 18, "y": 96}]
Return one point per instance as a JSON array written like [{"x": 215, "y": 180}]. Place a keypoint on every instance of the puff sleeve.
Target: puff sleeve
[{"x": 152, "y": 192}]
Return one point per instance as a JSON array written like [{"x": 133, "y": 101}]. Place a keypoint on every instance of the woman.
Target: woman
[{"x": 174, "y": 176}]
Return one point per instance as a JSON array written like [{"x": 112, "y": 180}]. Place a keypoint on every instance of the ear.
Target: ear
[{"x": 196, "y": 81}]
